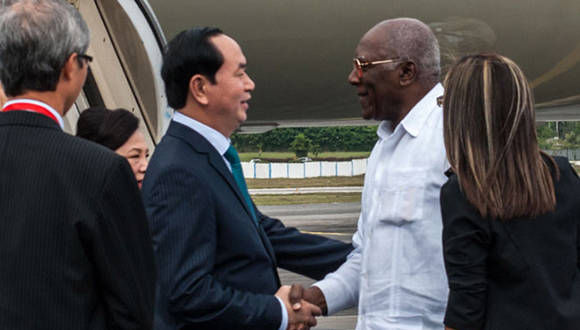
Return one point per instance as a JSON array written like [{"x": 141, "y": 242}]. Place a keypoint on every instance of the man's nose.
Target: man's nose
[
  {"x": 353, "y": 78},
  {"x": 143, "y": 165},
  {"x": 250, "y": 85}
]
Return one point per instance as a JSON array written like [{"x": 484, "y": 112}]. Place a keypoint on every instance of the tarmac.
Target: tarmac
[{"x": 334, "y": 220}]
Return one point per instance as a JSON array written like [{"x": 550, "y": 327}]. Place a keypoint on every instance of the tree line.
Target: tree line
[
  {"x": 559, "y": 135},
  {"x": 318, "y": 139},
  {"x": 551, "y": 135}
]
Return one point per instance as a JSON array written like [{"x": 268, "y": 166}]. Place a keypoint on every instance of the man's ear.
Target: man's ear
[
  {"x": 71, "y": 65},
  {"x": 198, "y": 85},
  {"x": 408, "y": 73}
]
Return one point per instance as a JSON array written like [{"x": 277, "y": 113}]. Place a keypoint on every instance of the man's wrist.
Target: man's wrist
[{"x": 315, "y": 296}]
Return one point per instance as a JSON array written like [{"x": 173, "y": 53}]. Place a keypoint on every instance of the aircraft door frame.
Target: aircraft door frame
[{"x": 124, "y": 31}]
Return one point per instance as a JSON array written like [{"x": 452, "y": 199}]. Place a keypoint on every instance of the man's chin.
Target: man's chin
[
  {"x": 368, "y": 114},
  {"x": 242, "y": 119}
]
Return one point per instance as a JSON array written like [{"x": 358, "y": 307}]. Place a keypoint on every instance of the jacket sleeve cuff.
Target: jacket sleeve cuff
[{"x": 284, "y": 323}]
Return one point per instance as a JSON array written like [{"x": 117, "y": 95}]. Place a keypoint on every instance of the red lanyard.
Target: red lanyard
[{"x": 31, "y": 107}]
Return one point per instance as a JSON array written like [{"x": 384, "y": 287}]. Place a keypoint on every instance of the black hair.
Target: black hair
[
  {"x": 188, "y": 54},
  {"x": 110, "y": 128}
]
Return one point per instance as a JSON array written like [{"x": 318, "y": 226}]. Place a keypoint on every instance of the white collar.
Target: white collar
[
  {"x": 215, "y": 138},
  {"x": 415, "y": 119},
  {"x": 41, "y": 104}
]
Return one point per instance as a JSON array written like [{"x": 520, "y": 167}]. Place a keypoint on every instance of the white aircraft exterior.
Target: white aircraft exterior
[{"x": 300, "y": 51}]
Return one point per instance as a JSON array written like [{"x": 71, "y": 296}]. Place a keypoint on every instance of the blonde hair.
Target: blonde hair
[{"x": 490, "y": 137}]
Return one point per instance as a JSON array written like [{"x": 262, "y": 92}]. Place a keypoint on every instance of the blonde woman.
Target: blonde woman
[{"x": 511, "y": 213}]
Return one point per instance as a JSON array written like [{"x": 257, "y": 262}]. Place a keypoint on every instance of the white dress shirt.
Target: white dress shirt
[
  {"x": 221, "y": 145},
  {"x": 396, "y": 272}
]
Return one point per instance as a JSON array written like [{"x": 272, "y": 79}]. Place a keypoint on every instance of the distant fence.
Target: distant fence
[
  {"x": 304, "y": 170},
  {"x": 571, "y": 154}
]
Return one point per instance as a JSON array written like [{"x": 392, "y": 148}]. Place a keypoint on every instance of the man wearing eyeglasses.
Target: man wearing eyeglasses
[
  {"x": 396, "y": 272},
  {"x": 75, "y": 247}
]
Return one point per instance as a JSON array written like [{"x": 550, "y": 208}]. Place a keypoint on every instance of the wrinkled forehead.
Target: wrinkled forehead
[{"x": 374, "y": 44}]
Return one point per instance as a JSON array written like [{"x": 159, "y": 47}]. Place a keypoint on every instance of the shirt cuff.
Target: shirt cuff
[
  {"x": 284, "y": 323},
  {"x": 335, "y": 295}
]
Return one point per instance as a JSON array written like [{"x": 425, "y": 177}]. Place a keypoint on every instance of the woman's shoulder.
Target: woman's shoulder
[
  {"x": 566, "y": 170},
  {"x": 453, "y": 200},
  {"x": 451, "y": 187},
  {"x": 567, "y": 185}
]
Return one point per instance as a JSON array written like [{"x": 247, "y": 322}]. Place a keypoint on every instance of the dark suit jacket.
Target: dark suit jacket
[
  {"x": 520, "y": 273},
  {"x": 75, "y": 250},
  {"x": 217, "y": 269}
]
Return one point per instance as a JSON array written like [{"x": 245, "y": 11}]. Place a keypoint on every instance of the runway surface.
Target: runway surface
[{"x": 335, "y": 220}]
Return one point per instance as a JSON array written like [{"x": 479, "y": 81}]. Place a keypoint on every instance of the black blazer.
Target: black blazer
[
  {"x": 75, "y": 250},
  {"x": 217, "y": 269},
  {"x": 516, "y": 274}
]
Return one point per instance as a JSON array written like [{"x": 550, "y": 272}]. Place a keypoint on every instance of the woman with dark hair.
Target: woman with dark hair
[
  {"x": 511, "y": 213},
  {"x": 117, "y": 130}
]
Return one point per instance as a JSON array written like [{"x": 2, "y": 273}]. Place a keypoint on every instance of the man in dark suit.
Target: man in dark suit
[
  {"x": 216, "y": 253},
  {"x": 75, "y": 248}
]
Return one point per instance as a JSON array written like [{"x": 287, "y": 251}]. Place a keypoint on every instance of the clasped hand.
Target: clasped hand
[{"x": 301, "y": 314}]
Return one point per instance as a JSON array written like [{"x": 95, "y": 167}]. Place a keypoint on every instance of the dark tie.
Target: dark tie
[{"x": 232, "y": 157}]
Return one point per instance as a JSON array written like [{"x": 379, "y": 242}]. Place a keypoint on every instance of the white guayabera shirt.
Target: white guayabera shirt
[{"x": 396, "y": 271}]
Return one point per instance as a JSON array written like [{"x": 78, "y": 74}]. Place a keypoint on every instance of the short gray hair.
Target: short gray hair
[
  {"x": 411, "y": 38},
  {"x": 36, "y": 39}
]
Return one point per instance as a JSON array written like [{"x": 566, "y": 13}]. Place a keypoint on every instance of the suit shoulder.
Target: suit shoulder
[
  {"x": 89, "y": 150},
  {"x": 175, "y": 161},
  {"x": 93, "y": 159},
  {"x": 564, "y": 165},
  {"x": 173, "y": 153},
  {"x": 568, "y": 181}
]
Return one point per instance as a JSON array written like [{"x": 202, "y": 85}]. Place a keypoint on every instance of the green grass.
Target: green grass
[
  {"x": 330, "y": 181},
  {"x": 247, "y": 156},
  {"x": 306, "y": 199},
  {"x": 342, "y": 154}
]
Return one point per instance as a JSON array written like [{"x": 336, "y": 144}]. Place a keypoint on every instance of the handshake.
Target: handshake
[{"x": 303, "y": 305}]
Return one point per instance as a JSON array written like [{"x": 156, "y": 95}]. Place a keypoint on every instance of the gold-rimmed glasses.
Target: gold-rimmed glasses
[{"x": 359, "y": 65}]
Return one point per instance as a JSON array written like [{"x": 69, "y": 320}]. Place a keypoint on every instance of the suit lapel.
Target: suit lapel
[
  {"x": 201, "y": 145},
  {"x": 217, "y": 162}
]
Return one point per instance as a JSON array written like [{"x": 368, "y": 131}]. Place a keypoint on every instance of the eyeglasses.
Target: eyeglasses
[
  {"x": 86, "y": 57},
  {"x": 360, "y": 65}
]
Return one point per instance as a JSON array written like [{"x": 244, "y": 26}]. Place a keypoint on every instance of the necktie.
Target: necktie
[{"x": 232, "y": 156}]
